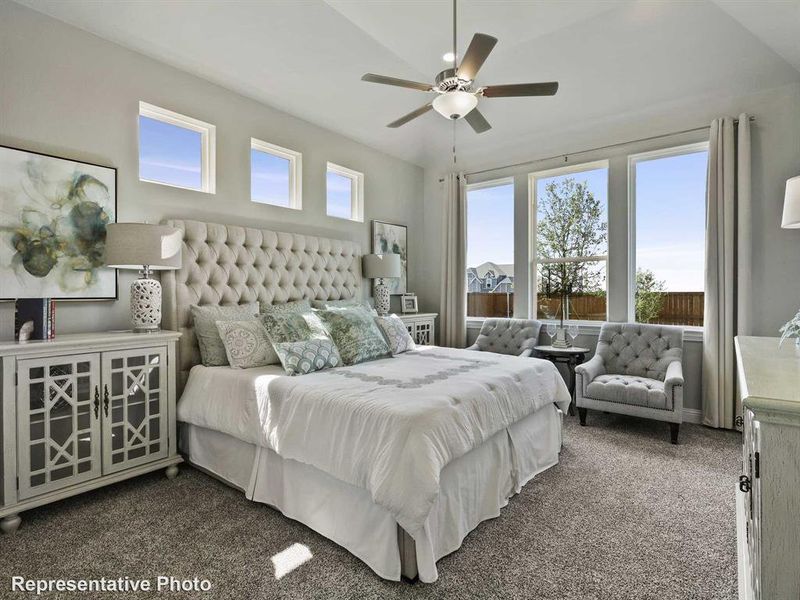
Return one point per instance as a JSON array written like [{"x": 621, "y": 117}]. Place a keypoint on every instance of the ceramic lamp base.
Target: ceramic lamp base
[
  {"x": 146, "y": 305},
  {"x": 381, "y": 293}
]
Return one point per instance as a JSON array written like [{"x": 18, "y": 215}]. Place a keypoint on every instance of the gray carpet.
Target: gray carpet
[{"x": 624, "y": 515}]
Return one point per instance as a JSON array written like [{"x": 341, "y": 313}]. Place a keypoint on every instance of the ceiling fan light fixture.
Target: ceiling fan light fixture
[
  {"x": 448, "y": 57},
  {"x": 455, "y": 104}
]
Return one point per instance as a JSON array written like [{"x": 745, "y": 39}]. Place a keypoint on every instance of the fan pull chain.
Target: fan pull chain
[{"x": 454, "y": 143}]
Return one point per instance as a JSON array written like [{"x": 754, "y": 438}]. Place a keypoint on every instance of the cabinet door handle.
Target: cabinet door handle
[
  {"x": 105, "y": 399},
  {"x": 744, "y": 483},
  {"x": 96, "y": 402}
]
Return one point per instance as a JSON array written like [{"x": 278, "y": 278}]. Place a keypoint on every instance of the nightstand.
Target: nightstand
[
  {"x": 83, "y": 411},
  {"x": 421, "y": 327}
]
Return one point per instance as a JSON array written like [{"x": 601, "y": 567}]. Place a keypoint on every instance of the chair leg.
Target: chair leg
[
  {"x": 673, "y": 432},
  {"x": 582, "y": 415}
]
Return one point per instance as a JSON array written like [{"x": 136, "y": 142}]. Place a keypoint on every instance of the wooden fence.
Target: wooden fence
[{"x": 678, "y": 308}]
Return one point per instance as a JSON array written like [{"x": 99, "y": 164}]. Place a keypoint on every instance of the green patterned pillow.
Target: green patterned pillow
[
  {"x": 293, "y": 327},
  {"x": 296, "y": 306},
  {"x": 323, "y": 304},
  {"x": 307, "y": 356},
  {"x": 246, "y": 344},
  {"x": 355, "y": 334},
  {"x": 212, "y": 350},
  {"x": 396, "y": 334}
]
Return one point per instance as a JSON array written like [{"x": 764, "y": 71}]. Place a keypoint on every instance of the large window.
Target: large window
[
  {"x": 175, "y": 150},
  {"x": 345, "y": 193},
  {"x": 490, "y": 249},
  {"x": 667, "y": 210},
  {"x": 570, "y": 233},
  {"x": 275, "y": 175}
]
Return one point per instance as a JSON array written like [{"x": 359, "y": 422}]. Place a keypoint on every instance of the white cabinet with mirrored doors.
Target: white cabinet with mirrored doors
[{"x": 83, "y": 411}]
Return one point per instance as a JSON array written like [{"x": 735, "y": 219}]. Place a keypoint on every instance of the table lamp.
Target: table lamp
[
  {"x": 380, "y": 267},
  {"x": 791, "y": 204},
  {"x": 145, "y": 248}
]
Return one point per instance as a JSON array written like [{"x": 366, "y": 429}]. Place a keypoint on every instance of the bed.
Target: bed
[{"x": 397, "y": 459}]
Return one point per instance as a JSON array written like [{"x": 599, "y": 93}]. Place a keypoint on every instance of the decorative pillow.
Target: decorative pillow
[
  {"x": 396, "y": 334},
  {"x": 307, "y": 356},
  {"x": 355, "y": 334},
  {"x": 212, "y": 350},
  {"x": 288, "y": 326},
  {"x": 246, "y": 344},
  {"x": 296, "y": 306},
  {"x": 323, "y": 304}
]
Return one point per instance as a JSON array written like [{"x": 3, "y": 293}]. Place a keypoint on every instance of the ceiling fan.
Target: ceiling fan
[{"x": 456, "y": 97}]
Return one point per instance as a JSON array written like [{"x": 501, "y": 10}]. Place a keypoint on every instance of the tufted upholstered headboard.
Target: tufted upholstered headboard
[{"x": 228, "y": 265}]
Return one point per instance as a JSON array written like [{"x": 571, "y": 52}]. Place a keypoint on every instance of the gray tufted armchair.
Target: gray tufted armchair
[
  {"x": 637, "y": 371},
  {"x": 508, "y": 336}
]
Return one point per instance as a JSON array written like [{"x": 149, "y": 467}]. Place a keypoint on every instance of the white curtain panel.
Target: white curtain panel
[
  {"x": 453, "y": 317},
  {"x": 728, "y": 243}
]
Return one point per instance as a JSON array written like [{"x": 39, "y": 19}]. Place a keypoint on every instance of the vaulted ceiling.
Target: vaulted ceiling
[{"x": 611, "y": 57}]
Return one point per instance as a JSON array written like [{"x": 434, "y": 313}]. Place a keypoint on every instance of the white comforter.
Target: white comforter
[{"x": 388, "y": 426}]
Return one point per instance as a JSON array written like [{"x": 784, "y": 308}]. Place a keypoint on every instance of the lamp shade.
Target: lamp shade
[
  {"x": 134, "y": 245},
  {"x": 454, "y": 104},
  {"x": 377, "y": 266},
  {"x": 791, "y": 204}
]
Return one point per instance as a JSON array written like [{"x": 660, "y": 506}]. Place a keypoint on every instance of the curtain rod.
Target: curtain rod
[{"x": 566, "y": 154}]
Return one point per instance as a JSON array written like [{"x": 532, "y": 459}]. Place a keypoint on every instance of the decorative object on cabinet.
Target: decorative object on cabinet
[
  {"x": 392, "y": 239},
  {"x": 768, "y": 490},
  {"x": 408, "y": 303},
  {"x": 421, "y": 327},
  {"x": 380, "y": 267},
  {"x": 791, "y": 329},
  {"x": 146, "y": 248},
  {"x": 791, "y": 204},
  {"x": 34, "y": 319},
  {"x": 53, "y": 227},
  {"x": 83, "y": 411}
]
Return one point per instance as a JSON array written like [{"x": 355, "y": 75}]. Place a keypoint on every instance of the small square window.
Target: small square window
[
  {"x": 345, "y": 193},
  {"x": 276, "y": 175},
  {"x": 175, "y": 150}
]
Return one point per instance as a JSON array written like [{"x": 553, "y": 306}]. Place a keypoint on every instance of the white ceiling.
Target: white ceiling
[{"x": 611, "y": 57}]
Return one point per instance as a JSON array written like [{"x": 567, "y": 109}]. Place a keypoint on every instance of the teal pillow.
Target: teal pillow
[
  {"x": 355, "y": 334},
  {"x": 307, "y": 356},
  {"x": 293, "y": 326},
  {"x": 296, "y": 306}
]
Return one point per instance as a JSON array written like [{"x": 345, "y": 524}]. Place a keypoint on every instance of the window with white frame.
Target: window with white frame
[
  {"x": 490, "y": 249},
  {"x": 667, "y": 200},
  {"x": 276, "y": 175},
  {"x": 176, "y": 150},
  {"x": 345, "y": 193},
  {"x": 570, "y": 242}
]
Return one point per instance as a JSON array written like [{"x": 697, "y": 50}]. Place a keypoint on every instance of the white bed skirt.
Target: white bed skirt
[{"x": 473, "y": 488}]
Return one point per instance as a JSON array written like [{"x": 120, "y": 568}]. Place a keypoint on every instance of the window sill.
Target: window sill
[{"x": 690, "y": 334}]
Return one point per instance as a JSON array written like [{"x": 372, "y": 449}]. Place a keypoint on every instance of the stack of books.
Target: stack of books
[{"x": 41, "y": 312}]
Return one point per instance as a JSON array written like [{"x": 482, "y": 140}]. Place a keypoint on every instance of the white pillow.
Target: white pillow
[
  {"x": 246, "y": 344},
  {"x": 396, "y": 334},
  {"x": 212, "y": 350}
]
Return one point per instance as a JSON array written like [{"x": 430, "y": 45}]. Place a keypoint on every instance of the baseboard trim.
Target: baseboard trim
[{"x": 692, "y": 415}]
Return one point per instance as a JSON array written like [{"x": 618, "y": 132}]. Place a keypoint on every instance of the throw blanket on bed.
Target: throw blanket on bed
[{"x": 390, "y": 426}]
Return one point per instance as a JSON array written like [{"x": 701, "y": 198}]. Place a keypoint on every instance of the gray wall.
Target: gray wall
[
  {"x": 77, "y": 96},
  {"x": 775, "y": 158}
]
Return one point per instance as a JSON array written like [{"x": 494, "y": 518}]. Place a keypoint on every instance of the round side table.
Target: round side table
[{"x": 572, "y": 357}]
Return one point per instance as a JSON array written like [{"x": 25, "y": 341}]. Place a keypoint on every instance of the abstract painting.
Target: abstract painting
[
  {"x": 391, "y": 239},
  {"x": 53, "y": 217}
]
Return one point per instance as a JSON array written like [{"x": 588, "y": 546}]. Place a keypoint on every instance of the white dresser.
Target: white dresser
[
  {"x": 83, "y": 411},
  {"x": 768, "y": 491},
  {"x": 421, "y": 326}
]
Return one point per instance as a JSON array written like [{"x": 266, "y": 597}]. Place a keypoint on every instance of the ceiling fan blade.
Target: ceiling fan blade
[
  {"x": 477, "y": 121},
  {"x": 521, "y": 89},
  {"x": 414, "y": 85},
  {"x": 479, "y": 49},
  {"x": 412, "y": 115}
]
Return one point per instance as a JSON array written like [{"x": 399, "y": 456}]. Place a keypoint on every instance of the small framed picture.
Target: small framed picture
[{"x": 409, "y": 303}]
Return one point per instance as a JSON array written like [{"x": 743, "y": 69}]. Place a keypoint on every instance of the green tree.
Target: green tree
[
  {"x": 649, "y": 296},
  {"x": 570, "y": 224}
]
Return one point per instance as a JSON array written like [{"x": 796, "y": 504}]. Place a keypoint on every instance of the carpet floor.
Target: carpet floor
[{"x": 624, "y": 515}]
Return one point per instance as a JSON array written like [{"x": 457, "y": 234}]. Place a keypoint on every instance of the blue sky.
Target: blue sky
[
  {"x": 269, "y": 178},
  {"x": 339, "y": 189},
  {"x": 169, "y": 154},
  {"x": 670, "y": 218}
]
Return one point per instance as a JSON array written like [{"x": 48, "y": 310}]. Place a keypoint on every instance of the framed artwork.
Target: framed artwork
[
  {"x": 408, "y": 303},
  {"x": 391, "y": 239},
  {"x": 53, "y": 217}
]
